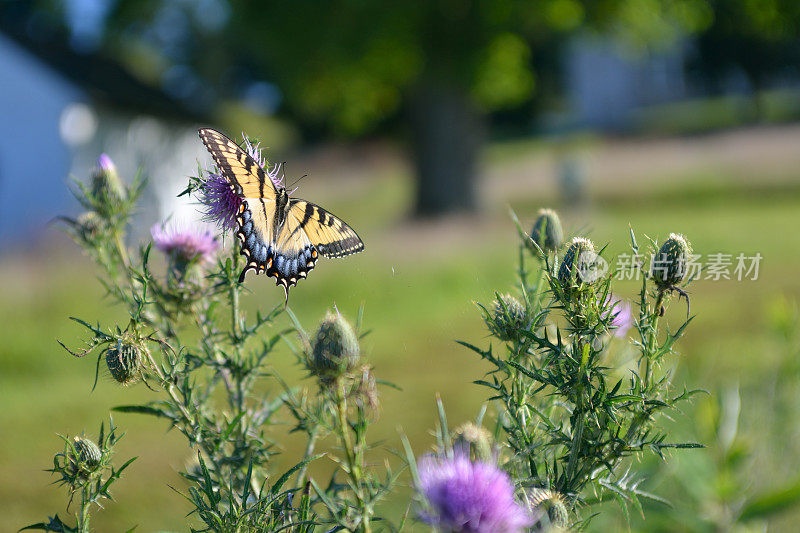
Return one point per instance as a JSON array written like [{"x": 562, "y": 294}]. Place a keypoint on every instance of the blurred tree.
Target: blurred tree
[
  {"x": 347, "y": 66},
  {"x": 757, "y": 38}
]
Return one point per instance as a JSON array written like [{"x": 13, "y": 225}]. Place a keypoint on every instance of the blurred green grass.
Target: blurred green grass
[{"x": 418, "y": 282}]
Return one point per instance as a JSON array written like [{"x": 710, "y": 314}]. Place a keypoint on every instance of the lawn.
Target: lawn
[{"x": 418, "y": 282}]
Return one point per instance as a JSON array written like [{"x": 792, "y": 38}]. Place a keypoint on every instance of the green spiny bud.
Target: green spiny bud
[
  {"x": 89, "y": 226},
  {"x": 552, "y": 503},
  {"x": 670, "y": 264},
  {"x": 124, "y": 361},
  {"x": 336, "y": 350},
  {"x": 509, "y": 317},
  {"x": 83, "y": 458},
  {"x": 547, "y": 232},
  {"x": 106, "y": 184},
  {"x": 475, "y": 439},
  {"x": 577, "y": 265}
]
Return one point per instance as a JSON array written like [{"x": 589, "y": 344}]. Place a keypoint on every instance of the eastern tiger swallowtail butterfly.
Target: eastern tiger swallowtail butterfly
[{"x": 279, "y": 235}]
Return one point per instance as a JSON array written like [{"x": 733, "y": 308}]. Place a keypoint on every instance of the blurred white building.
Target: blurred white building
[
  {"x": 608, "y": 81},
  {"x": 59, "y": 112}
]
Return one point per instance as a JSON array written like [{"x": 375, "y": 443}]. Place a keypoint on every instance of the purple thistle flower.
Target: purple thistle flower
[
  {"x": 469, "y": 497},
  {"x": 622, "y": 317},
  {"x": 184, "y": 244},
  {"x": 220, "y": 203},
  {"x": 105, "y": 164}
]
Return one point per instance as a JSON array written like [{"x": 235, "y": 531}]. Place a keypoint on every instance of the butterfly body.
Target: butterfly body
[{"x": 278, "y": 235}]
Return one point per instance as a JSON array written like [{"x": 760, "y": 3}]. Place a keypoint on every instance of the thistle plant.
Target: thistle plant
[
  {"x": 574, "y": 409},
  {"x": 569, "y": 418},
  {"x": 85, "y": 468},
  {"x": 345, "y": 405},
  {"x": 207, "y": 366}
]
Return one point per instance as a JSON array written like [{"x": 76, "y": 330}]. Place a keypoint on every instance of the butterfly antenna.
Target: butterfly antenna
[{"x": 298, "y": 180}]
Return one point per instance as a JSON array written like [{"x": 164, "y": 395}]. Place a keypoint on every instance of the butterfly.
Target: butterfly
[{"x": 279, "y": 235}]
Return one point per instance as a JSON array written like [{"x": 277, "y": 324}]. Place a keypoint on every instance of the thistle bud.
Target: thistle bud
[
  {"x": 551, "y": 503},
  {"x": 670, "y": 264},
  {"x": 476, "y": 440},
  {"x": 82, "y": 459},
  {"x": 89, "y": 226},
  {"x": 509, "y": 317},
  {"x": 336, "y": 350},
  {"x": 578, "y": 265},
  {"x": 124, "y": 362},
  {"x": 106, "y": 184},
  {"x": 547, "y": 232}
]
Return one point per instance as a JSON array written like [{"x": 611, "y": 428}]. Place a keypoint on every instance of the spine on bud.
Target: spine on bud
[
  {"x": 335, "y": 351},
  {"x": 475, "y": 440},
  {"x": 575, "y": 264},
  {"x": 83, "y": 459},
  {"x": 553, "y": 505},
  {"x": 547, "y": 231},
  {"x": 670, "y": 264},
  {"x": 124, "y": 362},
  {"x": 509, "y": 317}
]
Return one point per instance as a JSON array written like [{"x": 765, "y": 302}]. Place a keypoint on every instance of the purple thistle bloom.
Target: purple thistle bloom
[
  {"x": 105, "y": 164},
  {"x": 622, "y": 317},
  {"x": 469, "y": 497},
  {"x": 183, "y": 243},
  {"x": 220, "y": 203}
]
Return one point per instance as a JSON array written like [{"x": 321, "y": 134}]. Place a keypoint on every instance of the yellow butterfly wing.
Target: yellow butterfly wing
[
  {"x": 256, "y": 218},
  {"x": 306, "y": 232},
  {"x": 244, "y": 174},
  {"x": 328, "y": 233}
]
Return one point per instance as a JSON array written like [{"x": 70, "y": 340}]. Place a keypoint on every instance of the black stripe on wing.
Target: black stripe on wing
[
  {"x": 327, "y": 232},
  {"x": 262, "y": 257},
  {"x": 236, "y": 165}
]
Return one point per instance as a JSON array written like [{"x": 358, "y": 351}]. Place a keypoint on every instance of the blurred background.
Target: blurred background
[{"x": 419, "y": 123}]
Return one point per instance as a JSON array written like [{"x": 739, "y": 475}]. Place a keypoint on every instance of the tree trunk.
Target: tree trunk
[{"x": 447, "y": 135}]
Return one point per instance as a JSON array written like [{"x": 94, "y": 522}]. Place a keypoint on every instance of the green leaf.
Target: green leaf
[
  {"x": 55, "y": 524},
  {"x": 772, "y": 502},
  {"x": 142, "y": 410},
  {"x": 472, "y": 347},
  {"x": 285, "y": 477},
  {"x": 625, "y": 398}
]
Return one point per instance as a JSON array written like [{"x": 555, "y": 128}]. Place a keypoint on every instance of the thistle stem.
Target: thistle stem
[
  {"x": 170, "y": 388},
  {"x": 577, "y": 441},
  {"x": 123, "y": 252},
  {"x": 652, "y": 339},
  {"x": 235, "y": 324},
  {"x": 83, "y": 517},
  {"x": 353, "y": 467}
]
